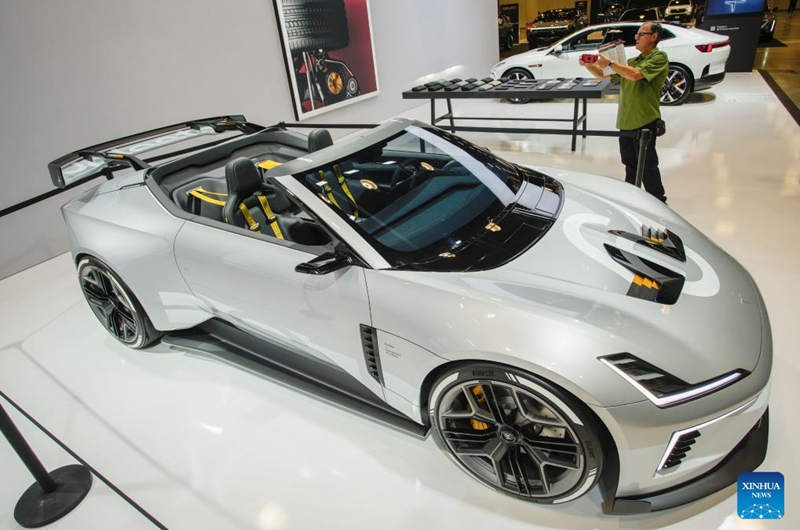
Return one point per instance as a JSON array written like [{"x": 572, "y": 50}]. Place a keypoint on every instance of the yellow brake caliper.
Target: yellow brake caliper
[{"x": 478, "y": 425}]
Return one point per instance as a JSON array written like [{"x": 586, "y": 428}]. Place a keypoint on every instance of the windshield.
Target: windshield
[
  {"x": 424, "y": 195},
  {"x": 550, "y": 16}
]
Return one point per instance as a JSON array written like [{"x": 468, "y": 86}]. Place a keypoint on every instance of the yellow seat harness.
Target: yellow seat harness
[
  {"x": 272, "y": 219},
  {"x": 343, "y": 184}
]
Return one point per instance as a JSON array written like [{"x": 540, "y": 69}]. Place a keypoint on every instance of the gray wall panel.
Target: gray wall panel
[{"x": 77, "y": 73}]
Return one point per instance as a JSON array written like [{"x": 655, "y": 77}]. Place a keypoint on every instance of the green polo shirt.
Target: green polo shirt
[{"x": 639, "y": 101}]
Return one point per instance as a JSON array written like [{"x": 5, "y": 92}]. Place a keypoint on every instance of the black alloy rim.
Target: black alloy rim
[
  {"x": 511, "y": 439},
  {"x": 109, "y": 303}
]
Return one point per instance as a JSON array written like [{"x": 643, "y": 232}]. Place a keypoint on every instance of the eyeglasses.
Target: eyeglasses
[{"x": 640, "y": 33}]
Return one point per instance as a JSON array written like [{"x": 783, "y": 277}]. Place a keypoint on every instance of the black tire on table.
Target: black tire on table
[
  {"x": 516, "y": 433},
  {"x": 315, "y": 25},
  {"x": 114, "y": 305}
]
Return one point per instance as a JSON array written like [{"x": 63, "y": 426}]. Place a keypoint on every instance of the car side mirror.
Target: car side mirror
[
  {"x": 325, "y": 264},
  {"x": 558, "y": 50}
]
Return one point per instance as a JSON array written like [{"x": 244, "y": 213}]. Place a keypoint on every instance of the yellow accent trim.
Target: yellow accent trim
[
  {"x": 647, "y": 282},
  {"x": 273, "y": 221},
  {"x": 198, "y": 192},
  {"x": 249, "y": 218},
  {"x": 368, "y": 184},
  {"x": 637, "y": 279},
  {"x": 345, "y": 188},
  {"x": 492, "y": 227},
  {"x": 269, "y": 164}
]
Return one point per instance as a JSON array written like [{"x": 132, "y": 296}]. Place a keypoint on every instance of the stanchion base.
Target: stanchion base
[{"x": 37, "y": 508}]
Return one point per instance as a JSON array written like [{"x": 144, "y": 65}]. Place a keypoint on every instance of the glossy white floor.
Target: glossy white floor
[{"x": 202, "y": 445}]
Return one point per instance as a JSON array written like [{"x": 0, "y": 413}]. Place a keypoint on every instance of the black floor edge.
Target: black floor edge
[
  {"x": 783, "y": 97},
  {"x": 74, "y": 455}
]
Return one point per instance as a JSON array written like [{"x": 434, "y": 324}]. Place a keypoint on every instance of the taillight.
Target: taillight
[{"x": 705, "y": 48}]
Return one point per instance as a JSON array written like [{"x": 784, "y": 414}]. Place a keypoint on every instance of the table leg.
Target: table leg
[
  {"x": 433, "y": 111},
  {"x": 644, "y": 139},
  {"x": 450, "y": 113},
  {"x": 585, "y": 119},
  {"x": 575, "y": 124}
]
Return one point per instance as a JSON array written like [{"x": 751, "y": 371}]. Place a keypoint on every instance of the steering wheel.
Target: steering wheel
[{"x": 406, "y": 173}]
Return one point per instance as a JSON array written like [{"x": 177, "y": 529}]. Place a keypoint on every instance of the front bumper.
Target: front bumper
[{"x": 746, "y": 456}]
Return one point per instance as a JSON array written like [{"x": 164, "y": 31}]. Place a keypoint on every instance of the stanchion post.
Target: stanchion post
[
  {"x": 644, "y": 140},
  {"x": 53, "y": 495}
]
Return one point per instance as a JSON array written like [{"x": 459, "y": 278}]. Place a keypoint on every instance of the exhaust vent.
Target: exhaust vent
[{"x": 369, "y": 343}]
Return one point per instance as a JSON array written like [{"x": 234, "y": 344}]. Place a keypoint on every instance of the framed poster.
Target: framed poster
[{"x": 329, "y": 53}]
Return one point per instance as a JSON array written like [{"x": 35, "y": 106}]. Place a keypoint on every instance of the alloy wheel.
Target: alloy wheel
[
  {"x": 676, "y": 87},
  {"x": 110, "y": 304},
  {"x": 511, "y": 439}
]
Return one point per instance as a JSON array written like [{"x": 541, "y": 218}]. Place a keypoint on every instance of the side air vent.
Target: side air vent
[
  {"x": 682, "y": 446},
  {"x": 369, "y": 343},
  {"x": 662, "y": 241},
  {"x": 650, "y": 282}
]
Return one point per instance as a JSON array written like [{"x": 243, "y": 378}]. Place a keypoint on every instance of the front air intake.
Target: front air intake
[
  {"x": 682, "y": 446},
  {"x": 369, "y": 343}
]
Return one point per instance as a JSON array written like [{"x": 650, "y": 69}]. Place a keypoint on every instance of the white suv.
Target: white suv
[{"x": 680, "y": 10}]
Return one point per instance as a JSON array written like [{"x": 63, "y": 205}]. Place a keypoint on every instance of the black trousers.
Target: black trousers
[{"x": 629, "y": 152}]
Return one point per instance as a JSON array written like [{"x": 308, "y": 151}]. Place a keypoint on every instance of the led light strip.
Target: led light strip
[
  {"x": 672, "y": 399},
  {"x": 677, "y": 434}
]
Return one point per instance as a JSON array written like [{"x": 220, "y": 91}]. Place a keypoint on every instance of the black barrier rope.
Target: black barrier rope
[
  {"x": 85, "y": 464},
  {"x": 53, "y": 495}
]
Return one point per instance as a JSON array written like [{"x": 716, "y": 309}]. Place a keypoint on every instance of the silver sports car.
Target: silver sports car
[{"x": 554, "y": 330}]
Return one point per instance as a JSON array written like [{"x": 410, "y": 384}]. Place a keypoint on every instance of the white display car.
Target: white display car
[{"x": 697, "y": 57}]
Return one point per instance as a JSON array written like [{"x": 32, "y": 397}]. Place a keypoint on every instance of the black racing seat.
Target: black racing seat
[
  {"x": 319, "y": 139},
  {"x": 244, "y": 188}
]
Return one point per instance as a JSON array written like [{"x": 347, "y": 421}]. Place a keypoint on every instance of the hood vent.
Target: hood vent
[
  {"x": 662, "y": 241},
  {"x": 369, "y": 343},
  {"x": 651, "y": 282}
]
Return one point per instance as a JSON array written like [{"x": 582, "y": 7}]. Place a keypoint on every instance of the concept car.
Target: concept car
[{"x": 554, "y": 330}]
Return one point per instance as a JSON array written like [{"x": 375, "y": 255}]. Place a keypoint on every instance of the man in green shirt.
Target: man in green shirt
[{"x": 639, "y": 102}]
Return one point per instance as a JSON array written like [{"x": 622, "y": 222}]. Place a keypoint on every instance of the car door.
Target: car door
[
  {"x": 249, "y": 280},
  {"x": 564, "y": 63}
]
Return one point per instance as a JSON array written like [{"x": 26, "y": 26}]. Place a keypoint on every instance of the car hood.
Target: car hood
[{"x": 714, "y": 326}]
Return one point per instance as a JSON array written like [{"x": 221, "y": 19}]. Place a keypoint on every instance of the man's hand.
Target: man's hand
[{"x": 602, "y": 61}]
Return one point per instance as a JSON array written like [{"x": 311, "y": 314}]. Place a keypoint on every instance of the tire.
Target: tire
[
  {"x": 114, "y": 305},
  {"x": 516, "y": 433},
  {"x": 315, "y": 25},
  {"x": 518, "y": 73},
  {"x": 509, "y": 41},
  {"x": 677, "y": 87}
]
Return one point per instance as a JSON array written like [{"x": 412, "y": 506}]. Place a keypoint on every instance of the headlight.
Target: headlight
[{"x": 660, "y": 387}]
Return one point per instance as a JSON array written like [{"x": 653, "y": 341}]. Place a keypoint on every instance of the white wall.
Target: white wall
[{"x": 76, "y": 73}]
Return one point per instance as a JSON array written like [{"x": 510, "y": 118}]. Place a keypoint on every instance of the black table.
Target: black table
[{"x": 531, "y": 89}]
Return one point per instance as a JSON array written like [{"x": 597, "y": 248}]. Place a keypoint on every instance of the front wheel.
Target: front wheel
[
  {"x": 114, "y": 305},
  {"x": 518, "y": 73},
  {"x": 516, "y": 433},
  {"x": 677, "y": 87},
  {"x": 509, "y": 41}
]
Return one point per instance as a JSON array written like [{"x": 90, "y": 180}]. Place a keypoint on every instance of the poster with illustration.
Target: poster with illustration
[{"x": 329, "y": 53}]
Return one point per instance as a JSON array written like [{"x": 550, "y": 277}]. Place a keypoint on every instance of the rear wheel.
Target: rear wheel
[
  {"x": 114, "y": 305},
  {"x": 516, "y": 433},
  {"x": 509, "y": 41},
  {"x": 518, "y": 73},
  {"x": 677, "y": 87}
]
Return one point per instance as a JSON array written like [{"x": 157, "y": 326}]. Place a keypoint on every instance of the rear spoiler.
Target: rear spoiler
[{"x": 106, "y": 158}]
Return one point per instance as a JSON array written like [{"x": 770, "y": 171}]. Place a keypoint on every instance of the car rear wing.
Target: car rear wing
[{"x": 106, "y": 158}]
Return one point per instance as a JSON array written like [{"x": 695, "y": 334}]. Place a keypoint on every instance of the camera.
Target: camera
[{"x": 589, "y": 57}]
